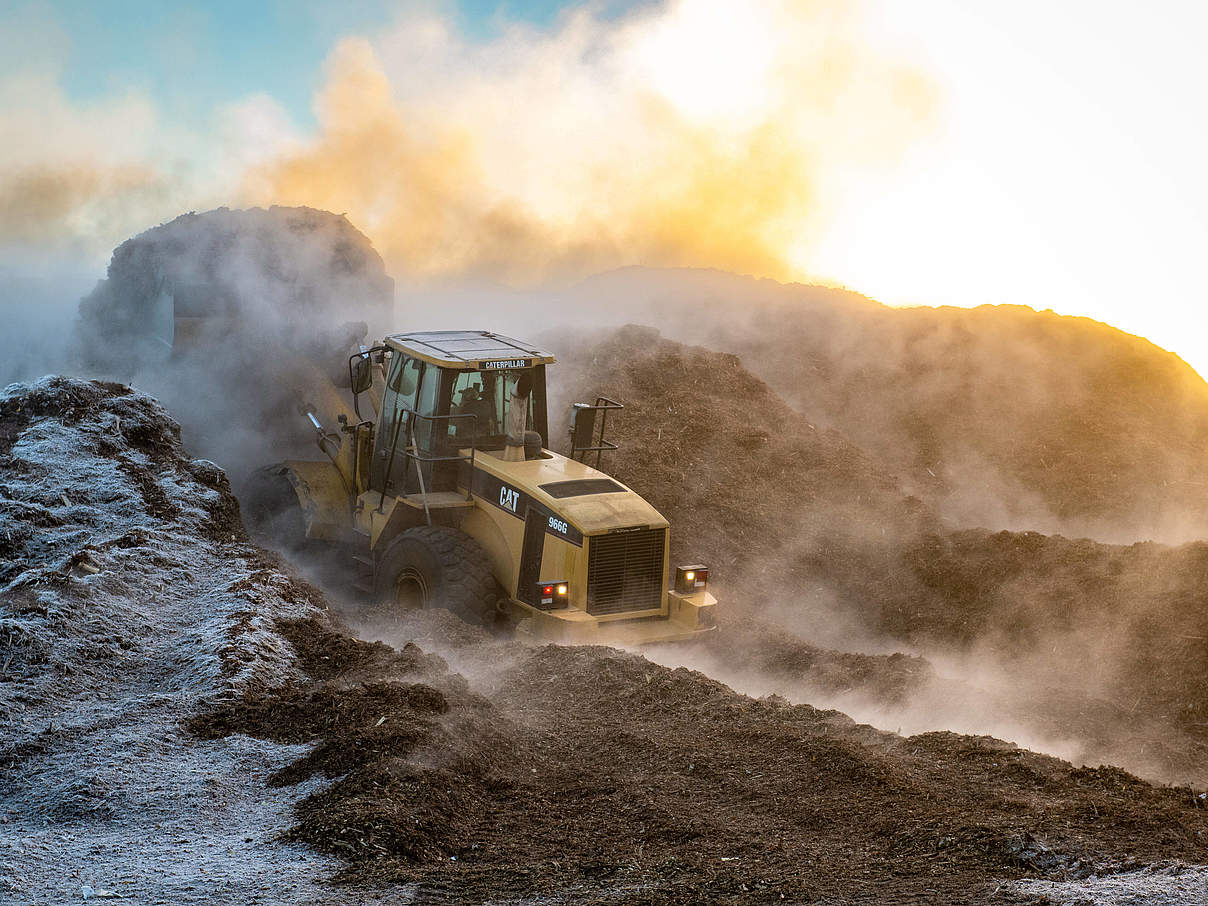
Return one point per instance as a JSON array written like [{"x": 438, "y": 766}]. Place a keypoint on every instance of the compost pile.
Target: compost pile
[
  {"x": 1105, "y": 647},
  {"x": 239, "y": 321},
  {"x": 130, "y": 598},
  {"x": 230, "y": 276},
  {"x": 591, "y": 775},
  {"x": 998, "y": 416},
  {"x": 183, "y": 721}
]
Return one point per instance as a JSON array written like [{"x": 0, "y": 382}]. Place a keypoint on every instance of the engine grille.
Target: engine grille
[{"x": 625, "y": 571}]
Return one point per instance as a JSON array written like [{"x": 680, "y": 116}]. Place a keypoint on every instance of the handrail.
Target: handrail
[
  {"x": 412, "y": 452},
  {"x": 602, "y": 446}
]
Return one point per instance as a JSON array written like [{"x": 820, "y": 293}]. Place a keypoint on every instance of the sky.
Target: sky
[
  {"x": 1065, "y": 171},
  {"x": 932, "y": 152}
]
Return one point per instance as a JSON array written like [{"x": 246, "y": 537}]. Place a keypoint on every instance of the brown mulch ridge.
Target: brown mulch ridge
[{"x": 595, "y": 771}]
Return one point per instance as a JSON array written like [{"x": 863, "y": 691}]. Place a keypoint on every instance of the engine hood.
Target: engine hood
[{"x": 592, "y": 512}]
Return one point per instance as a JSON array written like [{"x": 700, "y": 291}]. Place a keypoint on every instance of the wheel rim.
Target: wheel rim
[{"x": 411, "y": 590}]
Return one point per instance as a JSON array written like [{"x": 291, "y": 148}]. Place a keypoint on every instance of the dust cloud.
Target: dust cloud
[
  {"x": 239, "y": 322},
  {"x": 689, "y": 133}
]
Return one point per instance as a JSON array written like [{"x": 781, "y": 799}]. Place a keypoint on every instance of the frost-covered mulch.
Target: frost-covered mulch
[{"x": 130, "y": 599}]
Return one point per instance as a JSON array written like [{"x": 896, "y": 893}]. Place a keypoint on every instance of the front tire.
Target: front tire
[{"x": 432, "y": 566}]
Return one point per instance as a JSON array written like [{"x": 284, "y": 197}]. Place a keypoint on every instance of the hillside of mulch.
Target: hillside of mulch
[
  {"x": 239, "y": 322},
  {"x": 805, "y": 530},
  {"x": 590, "y": 775},
  {"x": 184, "y": 721},
  {"x": 751, "y": 487},
  {"x": 998, "y": 416},
  {"x": 230, "y": 277}
]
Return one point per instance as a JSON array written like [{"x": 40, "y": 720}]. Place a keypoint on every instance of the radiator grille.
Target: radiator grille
[{"x": 625, "y": 571}]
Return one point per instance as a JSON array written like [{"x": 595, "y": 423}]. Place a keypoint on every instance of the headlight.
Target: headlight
[{"x": 691, "y": 579}]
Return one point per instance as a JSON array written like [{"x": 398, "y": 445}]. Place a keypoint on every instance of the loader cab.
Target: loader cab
[{"x": 450, "y": 394}]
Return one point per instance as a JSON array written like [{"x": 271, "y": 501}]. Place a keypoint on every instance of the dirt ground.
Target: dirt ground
[
  {"x": 185, "y": 720},
  {"x": 594, "y": 775}
]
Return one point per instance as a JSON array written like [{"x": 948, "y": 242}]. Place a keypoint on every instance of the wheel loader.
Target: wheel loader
[{"x": 447, "y": 494}]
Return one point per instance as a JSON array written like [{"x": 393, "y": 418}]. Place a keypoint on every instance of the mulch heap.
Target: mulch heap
[
  {"x": 254, "y": 276},
  {"x": 750, "y": 485},
  {"x": 786, "y": 513},
  {"x": 590, "y": 775}
]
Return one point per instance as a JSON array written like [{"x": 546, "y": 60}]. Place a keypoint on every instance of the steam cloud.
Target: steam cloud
[
  {"x": 692, "y": 132},
  {"x": 696, "y": 133}
]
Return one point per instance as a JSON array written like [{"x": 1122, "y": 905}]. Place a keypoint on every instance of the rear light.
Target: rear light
[
  {"x": 691, "y": 579},
  {"x": 552, "y": 595}
]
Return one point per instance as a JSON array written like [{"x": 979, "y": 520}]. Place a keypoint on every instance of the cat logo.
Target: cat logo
[{"x": 508, "y": 498}]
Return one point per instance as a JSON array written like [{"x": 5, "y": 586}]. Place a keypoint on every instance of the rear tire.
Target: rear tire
[
  {"x": 271, "y": 510},
  {"x": 432, "y": 566}
]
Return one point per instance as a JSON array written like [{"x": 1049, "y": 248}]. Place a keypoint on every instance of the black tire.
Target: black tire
[
  {"x": 432, "y": 566},
  {"x": 271, "y": 511}
]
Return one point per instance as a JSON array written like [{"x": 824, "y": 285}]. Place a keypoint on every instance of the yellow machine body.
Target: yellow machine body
[{"x": 544, "y": 520}]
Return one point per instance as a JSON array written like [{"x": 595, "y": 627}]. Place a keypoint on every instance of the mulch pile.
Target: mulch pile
[
  {"x": 253, "y": 276},
  {"x": 998, "y": 416},
  {"x": 788, "y": 514},
  {"x": 595, "y": 775}
]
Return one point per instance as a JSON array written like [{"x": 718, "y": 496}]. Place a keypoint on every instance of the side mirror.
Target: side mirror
[{"x": 362, "y": 374}]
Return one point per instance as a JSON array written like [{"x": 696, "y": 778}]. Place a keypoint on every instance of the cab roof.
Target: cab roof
[{"x": 477, "y": 350}]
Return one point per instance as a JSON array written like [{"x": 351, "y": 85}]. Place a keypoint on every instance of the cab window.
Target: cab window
[
  {"x": 401, "y": 386},
  {"x": 404, "y": 380},
  {"x": 473, "y": 407},
  {"x": 484, "y": 395}
]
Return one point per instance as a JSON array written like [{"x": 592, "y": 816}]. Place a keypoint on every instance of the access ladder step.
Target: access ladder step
[{"x": 437, "y": 500}]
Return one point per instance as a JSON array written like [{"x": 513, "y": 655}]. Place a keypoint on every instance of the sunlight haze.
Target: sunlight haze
[{"x": 930, "y": 153}]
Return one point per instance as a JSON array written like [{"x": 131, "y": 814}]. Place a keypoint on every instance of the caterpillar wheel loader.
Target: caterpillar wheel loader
[{"x": 449, "y": 496}]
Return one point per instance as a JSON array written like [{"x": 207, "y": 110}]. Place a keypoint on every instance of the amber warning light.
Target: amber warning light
[
  {"x": 553, "y": 594},
  {"x": 691, "y": 579}
]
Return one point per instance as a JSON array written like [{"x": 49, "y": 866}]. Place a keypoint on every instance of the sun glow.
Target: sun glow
[
  {"x": 710, "y": 63},
  {"x": 931, "y": 152},
  {"x": 1057, "y": 179}
]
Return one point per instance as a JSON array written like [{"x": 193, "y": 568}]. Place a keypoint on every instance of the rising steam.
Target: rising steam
[
  {"x": 692, "y": 132},
  {"x": 698, "y": 133}
]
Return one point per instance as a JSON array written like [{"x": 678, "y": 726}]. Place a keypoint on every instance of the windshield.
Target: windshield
[{"x": 486, "y": 396}]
